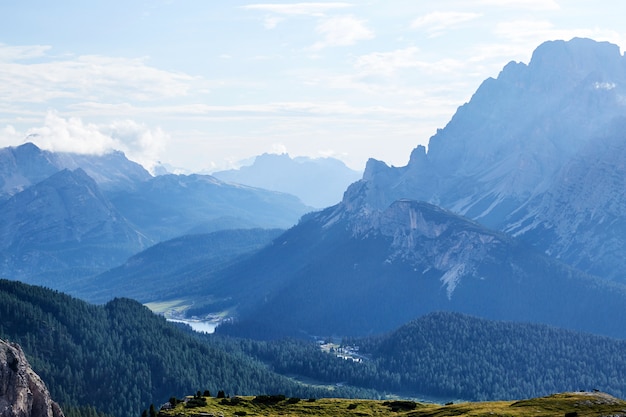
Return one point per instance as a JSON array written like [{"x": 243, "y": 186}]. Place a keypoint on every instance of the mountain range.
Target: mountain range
[
  {"x": 318, "y": 182},
  {"x": 69, "y": 216},
  {"x": 533, "y": 164},
  {"x": 515, "y": 212},
  {"x": 340, "y": 275},
  {"x": 537, "y": 153}
]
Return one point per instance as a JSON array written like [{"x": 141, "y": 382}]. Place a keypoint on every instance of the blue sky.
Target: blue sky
[{"x": 204, "y": 84}]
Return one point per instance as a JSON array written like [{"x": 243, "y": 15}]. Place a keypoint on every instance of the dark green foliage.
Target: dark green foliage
[
  {"x": 399, "y": 405},
  {"x": 231, "y": 401},
  {"x": 268, "y": 399},
  {"x": 449, "y": 355},
  {"x": 120, "y": 357},
  {"x": 196, "y": 402},
  {"x": 221, "y": 394},
  {"x": 87, "y": 411}
]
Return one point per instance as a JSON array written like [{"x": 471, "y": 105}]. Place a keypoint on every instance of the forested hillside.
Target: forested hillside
[
  {"x": 168, "y": 269},
  {"x": 120, "y": 358},
  {"x": 450, "y": 356}
]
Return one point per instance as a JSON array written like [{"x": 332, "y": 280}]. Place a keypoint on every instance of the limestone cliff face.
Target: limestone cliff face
[
  {"x": 22, "y": 392},
  {"x": 538, "y": 153}
]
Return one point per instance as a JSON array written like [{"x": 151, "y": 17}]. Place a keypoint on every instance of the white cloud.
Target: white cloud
[
  {"x": 59, "y": 134},
  {"x": 604, "y": 86},
  {"x": 279, "y": 148},
  {"x": 139, "y": 143},
  {"x": 342, "y": 31},
  {"x": 70, "y": 135},
  {"x": 9, "y": 136},
  {"x": 437, "y": 22}
]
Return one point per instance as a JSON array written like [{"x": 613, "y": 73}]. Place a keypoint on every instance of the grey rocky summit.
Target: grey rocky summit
[{"x": 22, "y": 392}]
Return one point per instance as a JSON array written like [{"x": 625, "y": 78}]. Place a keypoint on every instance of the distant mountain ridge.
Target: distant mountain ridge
[
  {"x": 169, "y": 206},
  {"x": 318, "y": 182},
  {"x": 25, "y": 165},
  {"x": 68, "y": 216},
  {"x": 63, "y": 222},
  {"x": 168, "y": 269}
]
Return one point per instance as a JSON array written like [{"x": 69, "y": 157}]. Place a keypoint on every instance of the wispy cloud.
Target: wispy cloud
[
  {"x": 342, "y": 31},
  {"x": 90, "y": 77},
  {"x": 386, "y": 63},
  {"x": 309, "y": 9},
  {"x": 10, "y": 53},
  {"x": 523, "y": 4},
  {"x": 436, "y": 23},
  {"x": 277, "y": 12}
]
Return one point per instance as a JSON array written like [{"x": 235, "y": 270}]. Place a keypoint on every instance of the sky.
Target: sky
[{"x": 201, "y": 85}]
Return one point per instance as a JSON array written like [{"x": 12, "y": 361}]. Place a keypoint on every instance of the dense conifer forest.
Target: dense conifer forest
[
  {"x": 449, "y": 356},
  {"x": 120, "y": 357}
]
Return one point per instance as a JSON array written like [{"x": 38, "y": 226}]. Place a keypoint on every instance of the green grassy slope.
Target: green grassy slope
[{"x": 579, "y": 404}]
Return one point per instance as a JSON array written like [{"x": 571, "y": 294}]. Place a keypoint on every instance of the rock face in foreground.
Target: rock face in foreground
[{"x": 22, "y": 392}]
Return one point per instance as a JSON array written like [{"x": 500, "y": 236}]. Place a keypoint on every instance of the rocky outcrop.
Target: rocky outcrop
[{"x": 22, "y": 392}]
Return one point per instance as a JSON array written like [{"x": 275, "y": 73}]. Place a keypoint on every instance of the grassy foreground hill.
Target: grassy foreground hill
[{"x": 578, "y": 404}]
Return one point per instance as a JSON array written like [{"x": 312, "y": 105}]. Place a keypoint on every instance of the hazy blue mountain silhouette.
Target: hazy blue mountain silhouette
[
  {"x": 68, "y": 216},
  {"x": 61, "y": 228},
  {"x": 318, "y": 182}
]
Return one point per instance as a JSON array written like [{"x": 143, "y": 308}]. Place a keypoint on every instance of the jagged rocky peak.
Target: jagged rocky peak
[
  {"x": 510, "y": 140},
  {"x": 22, "y": 392}
]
